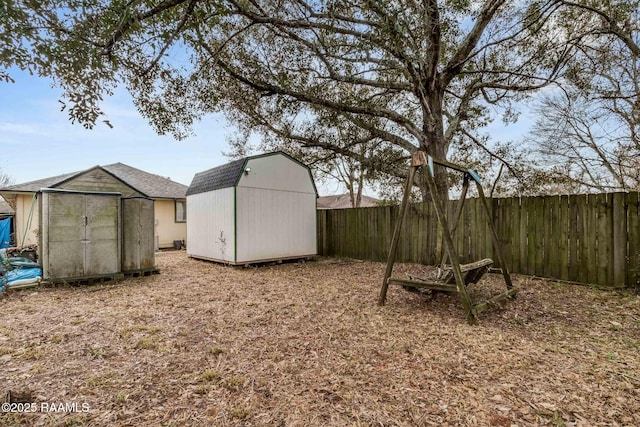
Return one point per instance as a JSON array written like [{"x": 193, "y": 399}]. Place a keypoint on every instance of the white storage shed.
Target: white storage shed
[{"x": 256, "y": 209}]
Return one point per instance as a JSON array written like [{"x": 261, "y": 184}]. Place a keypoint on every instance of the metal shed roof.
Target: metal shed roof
[{"x": 228, "y": 175}]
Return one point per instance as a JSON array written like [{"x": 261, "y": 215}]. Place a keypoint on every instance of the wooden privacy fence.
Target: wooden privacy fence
[{"x": 587, "y": 238}]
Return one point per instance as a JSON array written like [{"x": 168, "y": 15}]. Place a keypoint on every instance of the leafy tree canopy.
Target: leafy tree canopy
[{"x": 400, "y": 75}]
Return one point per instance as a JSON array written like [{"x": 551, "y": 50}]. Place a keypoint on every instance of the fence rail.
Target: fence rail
[{"x": 587, "y": 238}]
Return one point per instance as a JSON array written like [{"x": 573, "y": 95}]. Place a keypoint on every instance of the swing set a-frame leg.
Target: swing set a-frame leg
[
  {"x": 391, "y": 258},
  {"x": 467, "y": 304}
]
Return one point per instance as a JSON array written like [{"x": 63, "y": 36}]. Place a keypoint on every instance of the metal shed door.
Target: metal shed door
[
  {"x": 83, "y": 235},
  {"x": 137, "y": 234}
]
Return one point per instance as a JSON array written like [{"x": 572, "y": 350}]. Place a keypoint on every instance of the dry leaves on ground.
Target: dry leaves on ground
[{"x": 304, "y": 344}]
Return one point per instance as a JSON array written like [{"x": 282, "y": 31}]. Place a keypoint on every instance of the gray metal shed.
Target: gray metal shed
[
  {"x": 80, "y": 235},
  {"x": 256, "y": 209},
  {"x": 91, "y": 234}
]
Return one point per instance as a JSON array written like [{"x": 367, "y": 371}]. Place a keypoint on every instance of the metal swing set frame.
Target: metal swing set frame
[{"x": 456, "y": 277}]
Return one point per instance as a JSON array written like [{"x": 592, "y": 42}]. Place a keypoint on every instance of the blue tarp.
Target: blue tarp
[
  {"x": 20, "y": 274},
  {"x": 5, "y": 233}
]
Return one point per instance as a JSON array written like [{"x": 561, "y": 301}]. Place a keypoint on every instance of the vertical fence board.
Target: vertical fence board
[
  {"x": 322, "y": 232},
  {"x": 591, "y": 238},
  {"x": 539, "y": 238},
  {"x": 574, "y": 264},
  {"x": 515, "y": 236},
  {"x": 385, "y": 226},
  {"x": 480, "y": 242},
  {"x": 458, "y": 236},
  {"x": 582, "y": 232},
  {"x": 504, "y": 227},
  {"x": 524, "y": 234},
  {"x": 603, "y": 233},
  {"x": 553, "y": 237},
  {"x": 548, "y": 246},
  {"x": 488, "y": 238},
  {"x": 563, "y": 238},
  {"x": 633, "y": 228},
  {"x": 620, "y": 239}
]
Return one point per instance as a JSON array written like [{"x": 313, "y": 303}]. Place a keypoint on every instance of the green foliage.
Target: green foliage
[{"x": 369, "y": 82}]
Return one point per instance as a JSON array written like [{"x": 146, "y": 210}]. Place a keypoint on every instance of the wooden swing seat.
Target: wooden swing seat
[
  {"x": 446, "y": 282},
  {"x": 456, "y": 277},
  {"x": 471, "y": 273}
]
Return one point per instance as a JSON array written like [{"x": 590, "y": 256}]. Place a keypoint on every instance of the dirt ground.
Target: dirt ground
[{"x": 304, "y": 344}]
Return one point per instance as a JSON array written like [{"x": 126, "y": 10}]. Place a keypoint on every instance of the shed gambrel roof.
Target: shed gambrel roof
[
  {"x": 151, "y": 185},
  {"x": 228, "y": 175},
  {"x": 216, "y": 178}
]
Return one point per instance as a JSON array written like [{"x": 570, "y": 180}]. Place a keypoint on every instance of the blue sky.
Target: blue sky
[{"x": 37, "y": 140}]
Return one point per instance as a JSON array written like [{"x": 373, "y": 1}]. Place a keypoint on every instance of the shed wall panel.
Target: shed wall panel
[
  {"x": 211, "y": 225},
  {"x": 137, "y": 235},
  {"x": 275, "y": 224},
  {"x": 277, "y": 172}
]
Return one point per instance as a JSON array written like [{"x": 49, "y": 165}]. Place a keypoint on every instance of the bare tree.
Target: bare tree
[
  {"x": 589, "y": 133},
  {"x": 5, "y": 179}
]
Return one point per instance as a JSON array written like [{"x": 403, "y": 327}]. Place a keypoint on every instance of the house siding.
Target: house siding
[
  {"x": 23, "y": 211},
  {"x": 166, "y": 228}
]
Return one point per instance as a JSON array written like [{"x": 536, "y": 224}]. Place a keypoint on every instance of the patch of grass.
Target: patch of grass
[
  {"x": 239, "y": 412},
  {"x": 202, "y": 389},
  {"x": 56, "y": 339},
  {"x": 98, "y": 381},
  {"x": 558, "y": 420},
  {"x": 77, "y": 321},
  {"x": 122, "y": 397},
  {"x": 146, "y": 328},
  {"x": 216, "y": 351},
  {"x": 95, "y": 352},
  {"x": 32, "y": 353},
  {"x": 73, "y": 422},
  {"x": 211, "y": 375},
  {"x": 235, "y": 382},
  {"x": 615, "y": 326},
  {"x": 147, "y": 343},
  {"x": 5, "y": 350}
]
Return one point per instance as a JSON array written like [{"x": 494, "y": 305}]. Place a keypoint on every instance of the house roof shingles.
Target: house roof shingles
[
  {"x": 154, "y": 186},
  {"x": 33, "y": 186}
]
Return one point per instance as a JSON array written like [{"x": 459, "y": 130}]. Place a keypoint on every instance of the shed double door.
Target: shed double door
[{"x": 81, "y": 235}]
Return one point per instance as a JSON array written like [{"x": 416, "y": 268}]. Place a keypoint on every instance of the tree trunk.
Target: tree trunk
[{"x": 434, "y": 143}]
